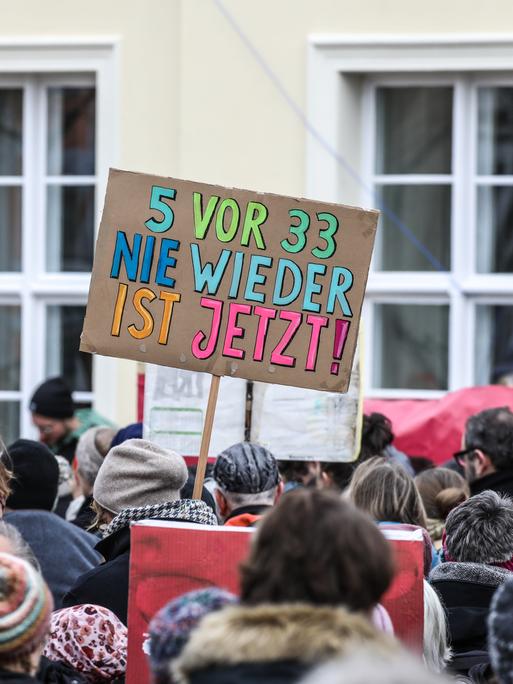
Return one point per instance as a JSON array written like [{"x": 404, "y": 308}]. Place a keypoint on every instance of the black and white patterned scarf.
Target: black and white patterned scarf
[{"x": 186, "y": 510}]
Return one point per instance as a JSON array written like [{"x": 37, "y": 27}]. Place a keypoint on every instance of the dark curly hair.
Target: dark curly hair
[
  {"x": 316, "y": 548},
  {"x": 376, "y": 435}
]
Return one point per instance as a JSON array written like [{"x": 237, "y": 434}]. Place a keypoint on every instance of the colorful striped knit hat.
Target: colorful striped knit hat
[{"x": 25, "y": 607}]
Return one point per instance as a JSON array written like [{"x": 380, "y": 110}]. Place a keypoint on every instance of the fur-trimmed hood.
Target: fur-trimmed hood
[{"x": 278, "y": 632}]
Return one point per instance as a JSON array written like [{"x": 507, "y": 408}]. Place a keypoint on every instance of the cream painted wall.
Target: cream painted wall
[{"x": 195, "y": 103}]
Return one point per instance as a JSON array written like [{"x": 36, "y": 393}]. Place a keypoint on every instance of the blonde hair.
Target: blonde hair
[
  {"x": 441, "y": 490},
  {"x": 436, "y": 649},
  {"x": 387, "y": 493}
]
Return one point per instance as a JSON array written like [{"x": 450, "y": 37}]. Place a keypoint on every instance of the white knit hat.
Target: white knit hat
[{"x": 139, "y": 473}]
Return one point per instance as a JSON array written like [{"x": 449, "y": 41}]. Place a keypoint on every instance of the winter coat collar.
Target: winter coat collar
[
  {"x": 501, "y": 481},
  {"x": 280, "y": 632},
  {"x": 115, "y": 544},
  {"x": 473, "y": 573}
]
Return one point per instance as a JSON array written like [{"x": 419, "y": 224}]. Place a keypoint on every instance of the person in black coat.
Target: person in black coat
[
  {"x": 316, "y": 570},
  {"x": 477, "y": 553},
  {"x": 138, "y": 480}
]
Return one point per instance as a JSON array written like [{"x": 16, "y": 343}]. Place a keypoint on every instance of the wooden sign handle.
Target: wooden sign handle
[{"x": 205, "y": 439}]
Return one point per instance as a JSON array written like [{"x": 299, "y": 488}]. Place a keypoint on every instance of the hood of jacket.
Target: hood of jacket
[
  {"x": 472, "y": 573},
  {"x": 279, "y": 632}
]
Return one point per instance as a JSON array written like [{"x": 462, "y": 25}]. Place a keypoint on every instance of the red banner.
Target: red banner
[{"x": 169, "y": 559}]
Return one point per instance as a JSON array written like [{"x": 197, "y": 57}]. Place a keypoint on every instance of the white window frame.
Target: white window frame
[
  {"x": 437, "y": 58},
  {"x": 70, "y": 61}
]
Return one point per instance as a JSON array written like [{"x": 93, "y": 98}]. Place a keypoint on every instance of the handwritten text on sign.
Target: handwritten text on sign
[{"x": 228, "y": 281}]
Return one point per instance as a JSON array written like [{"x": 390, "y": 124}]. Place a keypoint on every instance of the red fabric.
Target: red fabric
[
  {"x": 244, "y": 520},
  {"x": 433, "y": 427}
]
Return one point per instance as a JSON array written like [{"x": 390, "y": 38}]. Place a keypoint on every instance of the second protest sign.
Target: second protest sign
[{"x": 229, "y": 282}]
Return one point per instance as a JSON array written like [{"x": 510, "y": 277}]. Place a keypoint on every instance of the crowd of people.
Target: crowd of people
[{"x": 310, "y": 602}]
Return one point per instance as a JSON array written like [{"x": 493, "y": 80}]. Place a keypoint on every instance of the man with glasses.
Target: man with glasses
[{"x": 487, "y": 456}]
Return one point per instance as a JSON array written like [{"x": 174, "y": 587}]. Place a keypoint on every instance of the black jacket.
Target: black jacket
[
  {"x": 85, "y": 514},
  {"x": 466, "y": 590},
  {"x": 272, "y": 643},
  {"x": 106, "y": 585},
  {"x": 51, "y": 672},
  {"x": 500, "y": 482},
  {"x": 7, "y": 677}
]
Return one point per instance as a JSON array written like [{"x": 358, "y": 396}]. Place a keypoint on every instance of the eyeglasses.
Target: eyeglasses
[
  {"x": 459, "y": 456},
  {"x": 46, "y": 429}
]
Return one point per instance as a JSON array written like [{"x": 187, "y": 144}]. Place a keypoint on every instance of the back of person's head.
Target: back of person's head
[
  {"x": 91, "y": 449},
  {"x": 170, "y": 629},
  {"x": 387, "y": 493},
  {"x": 437, "y": 652},
  {"x": 35, "y": 476},
  {"x": 366, "y": 667},
  {"x": 441, "y": 490},
  {"x": 139, "y": 473},
  {"x": 500, "y": 633},
  {"x": 314, "y": 547},
  {"x": 91, "y": 640},
  {"x": 247, "y": 472},
  {"x": 376, "y": 435},
  {"x": 5, "y": 476},
  {"x": 480, "y": 530},
  {"x": 131, "y": 431},
  {"x": 336, "y": 475},
  {"x": 25, "y": 608},
  {"x": 52, "y": 399},
  {"x": 491, "y": 432}
]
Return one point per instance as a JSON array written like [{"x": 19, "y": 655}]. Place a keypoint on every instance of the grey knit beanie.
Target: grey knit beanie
[
  {"x": 92, "y": 448},
  {"x": 246, "y": 468},
  {"x": 139, "y": 473},
  {"x": 500, "y": 633},
  {"x": 480, "y": 530}
]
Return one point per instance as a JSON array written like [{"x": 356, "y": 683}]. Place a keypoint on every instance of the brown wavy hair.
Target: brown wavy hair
[
  {"x": 316, "y": 548},
  {"x": 441, "y": 490}
]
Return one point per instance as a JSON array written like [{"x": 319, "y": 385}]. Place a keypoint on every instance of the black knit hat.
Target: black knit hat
[
  {"x": 246, "y": 468},
  {"x": 52, "y": 399},
  {"x": 35, "y": 476}
]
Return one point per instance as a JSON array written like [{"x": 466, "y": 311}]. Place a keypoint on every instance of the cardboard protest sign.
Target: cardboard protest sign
[
  {"x": 168, "y": 559},
  {"x": 298, "y": 424},
  {"x": 229, "y": 282},
  {"x": 175, "y": 406}
]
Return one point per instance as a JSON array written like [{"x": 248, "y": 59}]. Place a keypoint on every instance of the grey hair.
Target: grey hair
[
  {"x": 236, "y": 500},
  {"x": 480, "y": 530},
  {"x": 364, "y": 666},
  {"x": 436, "y": 649},
  {"x": 19, "y": 546}
]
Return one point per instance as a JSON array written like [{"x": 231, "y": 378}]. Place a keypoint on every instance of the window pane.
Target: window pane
[
  {"x": 11, "y": 121},
  {"x": 71, "y": 130},
  {"x": 63, "y": 328},
  {"x": 494, "y": 229},
  {"x": 426, "y": 211},
  {"x": 495, "y": 131},
  {"x": 411, "y": 346},
  {"x": 70, "y": 228},
  {"x": 9, "y": 421},
  {"x": 10, "y": 228},
  {"x": 10, "y": 344},
  {"x": 414, "y": 130},
  {"x": 494, "y": 344}
]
